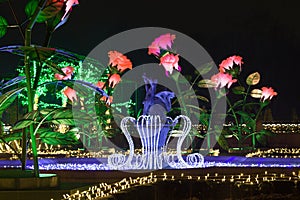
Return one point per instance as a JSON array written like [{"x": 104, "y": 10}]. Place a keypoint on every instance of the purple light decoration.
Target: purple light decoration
[
  {"x": 157, "y": 104},
  {"x": 93, "y": 164}
]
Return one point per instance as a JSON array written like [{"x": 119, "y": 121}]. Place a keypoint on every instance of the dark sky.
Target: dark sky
[{"x": 265, "y": 33}]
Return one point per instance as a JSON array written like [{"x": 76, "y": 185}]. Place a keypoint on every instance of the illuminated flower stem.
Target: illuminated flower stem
[
  {"x": 24, "y": 149},
  {"x": 30, "y": 91},
  {"x": 182, "y": 102},
  {"x": 239, "y": 131},
  {"x": 209, "y": 125},
  {"x": 245, "y": 97},
  {"x": 256, "y": 118},
  {"x": 16, "y": 19},
  {"x": 244, "y": 104}
]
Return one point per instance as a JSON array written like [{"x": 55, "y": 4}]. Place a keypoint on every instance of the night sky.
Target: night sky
[{"x": 265, "y": 33}]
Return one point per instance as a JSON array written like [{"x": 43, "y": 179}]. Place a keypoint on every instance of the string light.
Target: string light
[
  {"x": 276, "y": 153},
  {"x": 104, "y": 189}
]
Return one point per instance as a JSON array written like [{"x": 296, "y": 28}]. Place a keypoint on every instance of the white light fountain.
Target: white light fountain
[{"x": 154, "y": 155}]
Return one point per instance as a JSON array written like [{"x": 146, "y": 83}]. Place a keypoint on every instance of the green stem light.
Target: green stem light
[
  {"x": 30, "y": 91},
  {"x": 236, "y": 120}
]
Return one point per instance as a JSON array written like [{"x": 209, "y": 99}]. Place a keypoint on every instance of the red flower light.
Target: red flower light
[
  {"x": 70, "y": 93},
  {"x": 170, "y": 61},
  {"x": 114, "y": 79},
  {"x": 68, "y": 71},
  {"x": 267, "y": 93},
  {"x": 118, "y": 59},
  {"x": 108, "y": 100},
  {"x": 100, "y": 85}
]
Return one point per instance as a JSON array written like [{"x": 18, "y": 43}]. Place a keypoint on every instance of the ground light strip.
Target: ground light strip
[{"x": 105, "y": 190}]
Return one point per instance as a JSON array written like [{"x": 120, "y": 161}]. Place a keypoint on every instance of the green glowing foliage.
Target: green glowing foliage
[
  {"x": 8, "y": 98},
  {"x": 55, "y": 22},
  {"x": 27, "y": 120},
  {"x": 238, "y": 90},
  {"x": 11, "y": 137},
  {"x": 49, "y": 95},
  {"x": 47, "y": 136},
  {"x": 204, "y": 69},
  {"x": 65, "y": 116},
  {"x": 38, "y": 53},
  {"x": 12, "y": 82},
  {"x": 206, "y": 83},
  {"x": 3, "y": 26},
  {"x": 40, "y": 91},
  {"x": 53, "y": 116},
  {"x": 30, "y": 7},
  {"x": 51, "y": 9},
  {"x": 39, "y": 70},
  {"x": 56, "y": 138}
]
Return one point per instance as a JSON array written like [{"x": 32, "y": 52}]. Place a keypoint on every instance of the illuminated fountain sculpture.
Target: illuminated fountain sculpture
[
  {"x": 152, "y": 155},
  {"x": 155, "y": 131}
]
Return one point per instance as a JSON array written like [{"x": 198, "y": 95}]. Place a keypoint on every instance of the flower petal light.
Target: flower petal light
[
  {"x": 68, "y": 71},
  {"x": 70, "y": 93},
  {"x": 164, "y": 41},
  {"x": 69, "y": 4},
  {"x": 114, "y": 79},
  {"x": 229, "y": 62},
  {"x": 267, "y": 93},
  {"x": 108, "y": 100},
  {"x": 100, "y": 85},
  {"x": 153, "y": 49},
  {"x": 222, "y": 79},
  {"x": 238, "y": 60},
  {"x": 118, "y": 59},
  {"x": 170, "y": 61}
]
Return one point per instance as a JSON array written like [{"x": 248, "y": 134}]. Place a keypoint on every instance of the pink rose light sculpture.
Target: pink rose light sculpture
[
  {"x": 162, "y": 42},
  {"x": 267, "y": 93},
  {"x": 118, "y": 64},
  {"x": 170, "y": 61},
  {"x": 68, "y": 71},
  {"x": 243, "y": 113},
  {"x": 69, "y": 92},
  {"x": 114, "y": 80},
  {"x": 119, "y": 60},
  {"x": 228, "y": 63},
  {"x": 69, "y": 5},
  {"x": 101, "y": 85},
  {"x": 161, "y": 47},
  {"x": 222, "y": 79}
]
